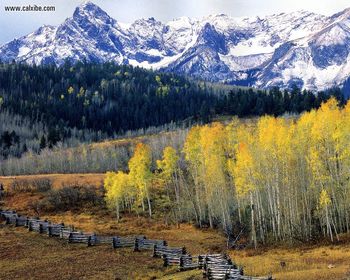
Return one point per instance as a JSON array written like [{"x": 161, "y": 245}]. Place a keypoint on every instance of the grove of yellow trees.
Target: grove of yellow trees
[{"x": 275, "y": 178}]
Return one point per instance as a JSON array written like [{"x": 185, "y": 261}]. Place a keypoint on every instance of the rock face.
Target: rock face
[{"x": 302, "y": 48}]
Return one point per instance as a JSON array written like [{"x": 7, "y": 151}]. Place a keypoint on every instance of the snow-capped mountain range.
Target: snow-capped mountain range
[{"x": 302, "y": 48}]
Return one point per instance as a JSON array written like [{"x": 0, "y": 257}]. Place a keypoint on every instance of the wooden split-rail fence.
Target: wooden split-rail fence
[{"x": 214, "y": 266}]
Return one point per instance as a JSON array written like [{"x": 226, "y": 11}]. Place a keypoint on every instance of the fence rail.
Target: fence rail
[
  {"x": 214, "y": 266},
  {"x": 159, "y": 251}
]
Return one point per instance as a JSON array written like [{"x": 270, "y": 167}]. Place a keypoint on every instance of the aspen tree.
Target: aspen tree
[
  {"x": 243, "y": 176},
  {"x": 140, "y": 173},
  {"x": 118, "y": 189},
  {"x": 278, "y": 171},
  {"x": 325, "y": 160},
  {"x": 305, "y": 193},
  {"x": 324, "y": 203},
  {"x": 192, "y": 151},
  {"x": 170, "y": 173},
  {"x": 214, "y": 162}
]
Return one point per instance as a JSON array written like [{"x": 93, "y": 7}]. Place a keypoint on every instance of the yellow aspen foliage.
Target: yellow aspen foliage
[
  {"x": 243, "y": 170},
  {"x": 116, "y": 185},
  {"x": 118, "y": 188},
  {"x": 324, "y": 200},
  {"x": 232, "y": 137},
  {"x": 168, "y": 164},
  {"x": 325, "y": 150},
  {"x": 269, "y": 172},
  {"x": 193, "y": 155},
  {"x": 140, "y": 172},
  {"x": 212, "y": 140},
  {"x": 345, "y": 133},
  {"x": 108, "y": 185},
  {"x": 192, "y": 148}
]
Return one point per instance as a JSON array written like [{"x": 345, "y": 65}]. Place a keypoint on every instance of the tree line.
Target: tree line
[
  {"x": 20, "y": 137},
  {"x": 279, "y": 178},
  {"x": 75, "y": 156},
  {"x": 48, "y": 108},
  {"x": 101, "y": 97},
  {"x": 116, "y": 98}
]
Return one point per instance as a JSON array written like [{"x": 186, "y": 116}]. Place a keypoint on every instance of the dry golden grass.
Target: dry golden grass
[
  {"x": 58, "y": 180},
  {"x": 32, "y": 256},
  {"x": 195, "y": 240},
  {"x": 309, "y": 263},
  {"x": 28, "y": 255},
  {"x": 21, "y": 251}
]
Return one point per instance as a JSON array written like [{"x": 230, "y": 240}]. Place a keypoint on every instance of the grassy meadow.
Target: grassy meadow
[{"x": 27, "y": 255}]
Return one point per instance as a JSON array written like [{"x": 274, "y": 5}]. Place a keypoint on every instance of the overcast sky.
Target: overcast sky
[{"x": 16, "y": 24}]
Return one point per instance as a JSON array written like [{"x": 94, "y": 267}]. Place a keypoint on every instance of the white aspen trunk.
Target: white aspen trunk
[
  {"x": 196, "y": 187},
  {"x": 149, "y": 205},
  {"x": 329, "y": 229},
  {"x": 210, "y": 218},
  {"x": 252, "y": 220},
  {"x": 118, "y": 214},
  {"x": 143, "y": 206},
  {"x": 260, "y": 215},
  {"x": 239, "y": 211},
  {"x": 335, "y": 229},
  {"x": 272, "y": 212}
]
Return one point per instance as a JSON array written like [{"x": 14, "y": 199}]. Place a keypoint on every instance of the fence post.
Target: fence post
[
  {"x": 89, "y": 241},
  {"x": 200, "y": 262},
  {"x": 16, "y": 222},
  {"x": 181, "y": 264},
  {"x": 166, "y": 263},
  {"x": 241, "y": 271},
  {"x": 49, "y": 231},
  {"x": 154, "y": 251},
  {"x": 205, "y": 260},
  {"x": 30, "y": 226},
  {"x": 114, "y": 242},
  {"x": 184, "y": 250},
  {"x": 70, "y": 237},
  {"x": 93, "y": 239},
  {"x": 136, "y": 245},
  {"x": 41, "y": 229}
]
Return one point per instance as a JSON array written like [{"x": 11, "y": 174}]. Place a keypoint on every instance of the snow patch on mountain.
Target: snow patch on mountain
[{"x": 302, "y": 48}]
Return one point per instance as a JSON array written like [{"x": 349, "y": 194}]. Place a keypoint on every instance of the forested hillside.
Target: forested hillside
[
  {"x": 91, "y": 102},
  {"x": 95, "y": 157},
  {"x": 105, "y": 97},
  {"x": 276, "y": 178}
]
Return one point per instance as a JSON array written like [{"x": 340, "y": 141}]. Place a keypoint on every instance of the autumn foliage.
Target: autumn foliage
[{"x": 277, "y": 178}]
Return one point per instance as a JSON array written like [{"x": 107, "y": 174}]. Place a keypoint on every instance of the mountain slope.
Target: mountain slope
[
  {"x": 318, "y": 61},
  {"x": 308, "y": 49}
]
